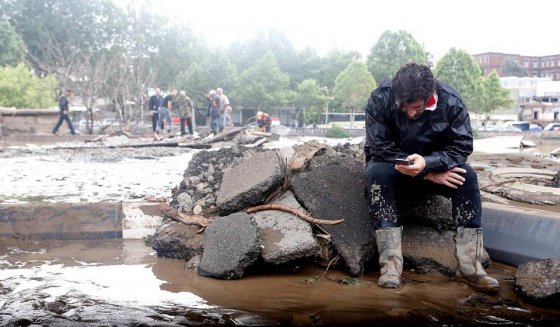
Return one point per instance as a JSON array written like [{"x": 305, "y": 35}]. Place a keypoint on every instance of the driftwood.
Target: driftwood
[
  {"x": 183, "y": 217},
  {"x": 301, "y": 214}
]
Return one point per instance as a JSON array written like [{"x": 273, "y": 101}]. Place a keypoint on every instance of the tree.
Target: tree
[
  {"x": 392, "y": 50},
  {"x": 513, "y": 68},
  {"x": 21, "y": 89},
  {"x": 461, "y": 71},
  {"x": 353, "y": 85},
  {"x": 12, "y": 50},
  {"x": 494, "y": 96},
  {"x": 264, "y": 85},
  {"x": 310, "y": 99},
  {"x": 332, "y": 64}
]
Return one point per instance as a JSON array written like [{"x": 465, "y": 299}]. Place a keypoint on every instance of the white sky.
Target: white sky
[{"x": 522, "y": 27}]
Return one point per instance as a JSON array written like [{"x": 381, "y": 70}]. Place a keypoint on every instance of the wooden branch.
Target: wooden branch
[
  {"x": 183, "y": 217},
  {"x": 301, "y": 214}
]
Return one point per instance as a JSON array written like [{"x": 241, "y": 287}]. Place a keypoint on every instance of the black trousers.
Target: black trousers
[
  {"x": 62, "y": 117},
  {"x": 386, "y": 186},
  {"x": 188, "y": 120},
  {"x": 155, "y": 117}
]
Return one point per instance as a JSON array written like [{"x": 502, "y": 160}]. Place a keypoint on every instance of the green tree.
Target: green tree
[
  {"x": 392, "y": 50},
  {"x": 513, "y": 68},
  {"x": 332, "y": 64},
  {"x": 264, "y": 86},
  {"x": 352, "y": 87},
  {"x": 21, "y": 89},
  {"x": 494, "y": 96},
  {"x": 310, "y": 99},
  {"x": 461, "y": 71},
  {"x": 12, "y": 50}
]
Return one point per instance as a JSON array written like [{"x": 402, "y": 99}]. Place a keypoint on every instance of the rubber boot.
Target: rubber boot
[
  {"x": 390, "y": 256},
  {"x": 469, "y": 251}
]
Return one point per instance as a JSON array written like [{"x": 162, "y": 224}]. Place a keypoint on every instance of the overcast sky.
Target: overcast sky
[{"x": 473, "y": 25}]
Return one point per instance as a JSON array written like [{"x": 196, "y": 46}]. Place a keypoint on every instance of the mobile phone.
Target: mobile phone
[{"x": 405, "y": 162}]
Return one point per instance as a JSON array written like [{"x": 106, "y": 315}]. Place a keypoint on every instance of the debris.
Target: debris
[{"x": 297, "y": 213}]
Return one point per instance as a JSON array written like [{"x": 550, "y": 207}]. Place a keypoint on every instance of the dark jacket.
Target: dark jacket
[
  {"x": 154, "y": 102},
  {"x": 443, "y": 136},
  {"x": 265, "y": 121},
  {"x": 63, "y": 103}
]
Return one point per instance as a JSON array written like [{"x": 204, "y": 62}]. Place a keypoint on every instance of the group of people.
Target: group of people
[
  {"x": 162, "y": 108},
  {"x": 219, "y": 110}
]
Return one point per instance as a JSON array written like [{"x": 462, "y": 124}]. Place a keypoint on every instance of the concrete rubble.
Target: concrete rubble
[
  {"x": 539, "y": 281},
  {"x": 326, "y": 182}
]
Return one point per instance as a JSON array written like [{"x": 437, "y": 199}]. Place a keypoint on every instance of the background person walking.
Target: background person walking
[{"x": 63, "y": 104}]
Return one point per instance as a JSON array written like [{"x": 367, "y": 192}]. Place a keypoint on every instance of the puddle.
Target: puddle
[{"x": 68, "y": 282}]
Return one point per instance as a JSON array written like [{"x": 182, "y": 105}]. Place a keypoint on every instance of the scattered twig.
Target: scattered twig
[
  {"x": 183, "y": 217},
  {"x": 297, "y": 213}
]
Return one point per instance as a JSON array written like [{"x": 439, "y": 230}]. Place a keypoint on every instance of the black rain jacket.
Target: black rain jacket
[{"x": 442, "y": 136}]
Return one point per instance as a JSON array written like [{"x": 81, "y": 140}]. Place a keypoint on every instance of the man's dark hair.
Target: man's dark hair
[{"x": 412, "y": 82}]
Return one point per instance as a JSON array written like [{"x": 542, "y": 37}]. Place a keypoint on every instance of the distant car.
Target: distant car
[
  {"x": 515, "y": 126},
  {"x": 535, "y": 128},
  {"x": 552, "y": 127}
]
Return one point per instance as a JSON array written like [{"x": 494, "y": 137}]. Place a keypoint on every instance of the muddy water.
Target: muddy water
[{"x": 121, "y": 282}]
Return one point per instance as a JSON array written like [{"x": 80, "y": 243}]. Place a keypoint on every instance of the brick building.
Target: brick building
[{"x": 544, "y": 66}]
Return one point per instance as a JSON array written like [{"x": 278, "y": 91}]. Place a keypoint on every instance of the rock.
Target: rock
[
  {"x": 250, "y": 182},
  {"x": 231, "y": 244},
  {"x": 334, "y": 188},
  {"x": 285, "y": 237},
  {"x": 193, "y": 263},
  {"x": 176, "y": 240},
  {"x": 426, "y": 249},
  {"x": 304, "y": 153},
  {"x": 185, "y": 202},
  {"x": 539, "y": 281},
  {"x": 197, "y": 210},
  {"x": 427, "y": 210}
]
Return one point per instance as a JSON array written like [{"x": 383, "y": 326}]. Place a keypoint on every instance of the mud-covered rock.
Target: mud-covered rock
[
  {"x": 425, "y": 249},
  {"x": 176, "y": 240},
  {"x": 284, "y": 236},
  {"x": 250, "y": 182},
  {"x": 430, "y": 210},
  {"x": 539, "y": 281},
  {"x": 231, "y": 244},
  {"x": 334, "y": 188}
]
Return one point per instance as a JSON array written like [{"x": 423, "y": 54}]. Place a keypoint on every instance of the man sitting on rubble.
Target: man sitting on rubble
[{"x": 418, "y": 138}]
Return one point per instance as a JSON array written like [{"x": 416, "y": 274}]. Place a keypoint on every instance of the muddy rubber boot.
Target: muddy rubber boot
[
  {"x": 469, "y": 252},
  {"x": 390, "y": 256}
]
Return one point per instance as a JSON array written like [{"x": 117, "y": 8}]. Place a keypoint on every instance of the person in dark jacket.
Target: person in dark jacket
[
  {"x": 63, "y": 105},
  {"x": 153, "y": 105},
  {"x": 418, "y": 138}
]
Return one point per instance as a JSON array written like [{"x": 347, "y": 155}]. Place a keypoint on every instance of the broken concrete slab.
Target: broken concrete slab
[
  {"x": 425, "y": 249},
  {"x": 231, "y": 244},
  {"x": 249, "y": 182},
  {"x": 332, "y": 189},
  {"x": 428, "y": 210},
  {"x": 539, "y": 281},
  {"x": 178, "y": 241},
  {"x": 284, "y": 236},
  {"x": 140, "y": 219},
  {"x": 61, "y": 221}
]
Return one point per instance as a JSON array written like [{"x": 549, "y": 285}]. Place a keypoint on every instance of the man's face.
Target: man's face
[{"x": 413, "y": 110}]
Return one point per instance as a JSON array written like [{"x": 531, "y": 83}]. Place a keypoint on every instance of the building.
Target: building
[
  {"x": 545, "y": 66},
  {"x": 537, "y": 99}
]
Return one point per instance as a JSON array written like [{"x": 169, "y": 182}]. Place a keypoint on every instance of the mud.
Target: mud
[{"x": 60, "y": 283}]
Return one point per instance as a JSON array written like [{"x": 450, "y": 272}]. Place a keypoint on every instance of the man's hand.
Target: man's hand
[
  {"x": 415, "y": 169},
  {"x": 449, "y": 178}
]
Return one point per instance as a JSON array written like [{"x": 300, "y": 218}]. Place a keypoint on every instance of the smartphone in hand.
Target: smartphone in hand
[{"x": 404, "y": 162}]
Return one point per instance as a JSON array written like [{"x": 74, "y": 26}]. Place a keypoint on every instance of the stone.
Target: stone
[
  {"x": 250, "y": 182},
  {"x": 425, "y": 249},
  {"x": 185, "y": 202},
  {"x": 197, "y": 210},
  {"x": 427, "y": 210},
  {"x": 231, "y": 245},
  {"x": 284, "y": 236},
  {"x": 334, "y": 188},
  {"x": 192, "y": 264},
  {"x": 176, "y": 240},
  {"x": 539, "y": 281}
]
